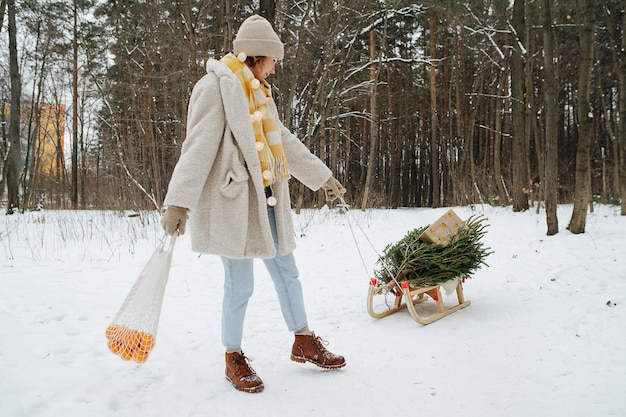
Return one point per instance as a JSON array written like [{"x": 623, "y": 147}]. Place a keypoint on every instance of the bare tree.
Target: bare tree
[
  {"x": 622, "y": 111},
  {"x": 502, "y": 109},
  {"x": 371, "y": 161},
  {"x": 519, "y": 109},
  {"x": 582, "y": 191},
  {"x": 614, "y": 115},
  {"x": 434, "y": 125},
  {"x": 14, "y": 154},
  {"x": 75, "y": 105},
  {"x": 551, "y": 161}
]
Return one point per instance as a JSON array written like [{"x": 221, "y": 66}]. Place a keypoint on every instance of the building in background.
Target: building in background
[{"x": 42, "y": 134}]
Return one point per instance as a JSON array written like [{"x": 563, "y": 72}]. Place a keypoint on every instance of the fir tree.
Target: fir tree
[{"x": 424, "y": 264}]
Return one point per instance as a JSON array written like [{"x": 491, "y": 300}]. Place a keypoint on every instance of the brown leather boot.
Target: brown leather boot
[
  {"x": 240, "y": 373},
  {"x": 311, "y": 349}
]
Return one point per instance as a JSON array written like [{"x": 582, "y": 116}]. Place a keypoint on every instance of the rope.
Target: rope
[{"x": 346, "y": 207}]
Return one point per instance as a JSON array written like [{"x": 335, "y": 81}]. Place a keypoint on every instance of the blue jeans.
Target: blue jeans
[{"x": 239, "y": 286}]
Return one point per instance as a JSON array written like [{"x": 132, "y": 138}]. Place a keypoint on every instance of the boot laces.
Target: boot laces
[
  {"x": 242, "y": 366},
  {"x": 320, "y": 344}
]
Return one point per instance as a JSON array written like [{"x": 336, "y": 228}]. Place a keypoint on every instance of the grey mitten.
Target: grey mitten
[
  {"x": 333, "y": 189},
  {"x": 175, "y": 218}
]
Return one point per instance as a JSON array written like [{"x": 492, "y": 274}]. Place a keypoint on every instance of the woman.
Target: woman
[{"x": 232, "y": 180}]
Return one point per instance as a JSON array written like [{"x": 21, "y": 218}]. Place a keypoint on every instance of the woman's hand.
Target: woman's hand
[
  {"x": 175, "y": 218},
  {"x": 333, "y": 189}
]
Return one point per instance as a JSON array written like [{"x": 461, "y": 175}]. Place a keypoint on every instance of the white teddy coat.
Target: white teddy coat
[{"x": 218, "y": 176}]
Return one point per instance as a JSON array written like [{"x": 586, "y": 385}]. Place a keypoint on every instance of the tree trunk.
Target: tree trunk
[
  {"x": 14, "y": 156},
  {"x": 75, "y": 110},
  {"x": 228, "y": 26},
  {"x": 288, "y": 118},
  {"x": 518, "y": 113},
  {"x": 619, "y": 136},
  {"x": 622, "y": 116},
  {"x": 267, "y": 9},
  {"x": 459, "y": 118},
  {"x": 371, "y": 161},
  {"x": 551, "y": 161},
  {"x": 3, "y": 7},
  {"x": 497, "y": 141},
  {"x": 434, "y": 146},
  {"x": 191, "y": 33},
  {"x": 609, "y": 126},
  {"x": 582, "y": 190}
]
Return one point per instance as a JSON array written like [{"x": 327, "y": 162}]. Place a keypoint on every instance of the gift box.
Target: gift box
[{"x": 442, "y": 230}]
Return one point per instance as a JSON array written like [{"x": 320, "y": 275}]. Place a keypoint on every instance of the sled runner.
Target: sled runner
[{"x": 407, "y": 297}]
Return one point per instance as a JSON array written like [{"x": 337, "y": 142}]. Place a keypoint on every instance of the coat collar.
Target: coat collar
[
  {"x": 236, "y": 112},
  {"x": 234, "y": 99}
]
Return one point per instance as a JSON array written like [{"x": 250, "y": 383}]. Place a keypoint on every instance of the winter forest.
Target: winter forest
[{"x": 412, "y": 104}]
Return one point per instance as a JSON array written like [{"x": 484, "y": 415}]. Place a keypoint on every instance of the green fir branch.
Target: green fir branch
[{"x": 424, "y": 264}]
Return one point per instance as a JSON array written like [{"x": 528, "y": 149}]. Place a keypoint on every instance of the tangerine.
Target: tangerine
[
  {"x": 126, "y": 353},
  {"x": 147, "y": 341},
  {"x": 114, "y": 345},
  {"x": 140, "y": 356},
  {"x": 111, "y": 330}
]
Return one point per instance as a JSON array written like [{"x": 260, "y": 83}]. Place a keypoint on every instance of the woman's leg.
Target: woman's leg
[
  {"x": 307, "y": 346},
  {"x": 238, "y": 288},
  {"x": 284, "y": 273}
]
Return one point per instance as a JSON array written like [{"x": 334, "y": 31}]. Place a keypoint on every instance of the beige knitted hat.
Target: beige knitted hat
[{"x": 257, "y": 38}]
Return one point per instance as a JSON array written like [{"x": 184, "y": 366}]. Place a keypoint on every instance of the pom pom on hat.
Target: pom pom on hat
[{"x": 256, "y": 37}]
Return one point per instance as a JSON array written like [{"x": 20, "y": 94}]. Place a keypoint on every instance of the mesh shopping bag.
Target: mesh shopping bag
[{"x": 132, "y": 333}]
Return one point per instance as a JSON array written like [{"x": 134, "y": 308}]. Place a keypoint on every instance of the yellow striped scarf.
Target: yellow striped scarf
[{"x": 263, "y": 115}]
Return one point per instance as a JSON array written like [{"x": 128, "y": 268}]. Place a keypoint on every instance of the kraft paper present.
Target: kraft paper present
[{"x": 442, "y": 230}]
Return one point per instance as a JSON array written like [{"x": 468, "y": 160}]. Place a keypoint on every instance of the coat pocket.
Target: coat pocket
[{"x": 235, "y": 181}]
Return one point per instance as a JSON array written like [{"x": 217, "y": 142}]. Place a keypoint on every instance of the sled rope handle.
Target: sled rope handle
[
  {"x": 356, "y": 243},
  {"x": 346, "y": 207}
]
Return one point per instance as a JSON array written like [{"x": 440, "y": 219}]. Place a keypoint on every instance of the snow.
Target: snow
[{"x": 544, "y": 334}]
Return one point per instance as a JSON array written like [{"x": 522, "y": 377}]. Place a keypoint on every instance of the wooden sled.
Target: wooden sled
[{"x": 408, "y": 297}]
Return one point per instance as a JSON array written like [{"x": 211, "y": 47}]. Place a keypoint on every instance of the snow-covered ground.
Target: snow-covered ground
[{"x": 545, "y": 334}]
